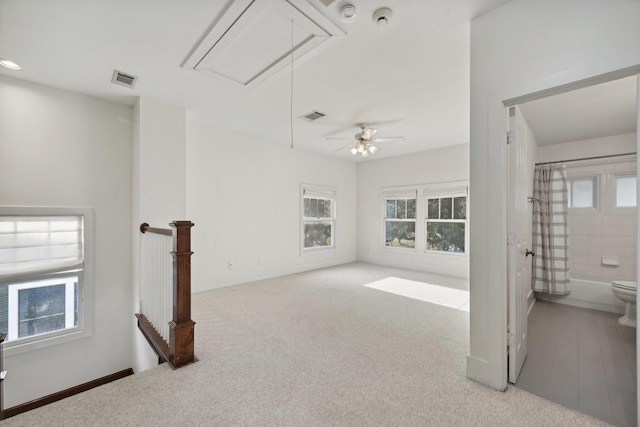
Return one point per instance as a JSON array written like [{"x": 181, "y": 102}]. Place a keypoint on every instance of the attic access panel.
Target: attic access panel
[{"x": 252, "y": 40}]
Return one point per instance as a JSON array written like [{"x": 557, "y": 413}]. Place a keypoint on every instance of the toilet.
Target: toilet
[{"x": 626, "y": 292}]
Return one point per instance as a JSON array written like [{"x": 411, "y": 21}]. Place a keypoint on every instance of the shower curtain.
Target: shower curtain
[{"x": 550, "y": 272}]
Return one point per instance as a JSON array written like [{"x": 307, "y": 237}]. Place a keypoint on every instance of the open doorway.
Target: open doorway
[{"x": 575, "y": 351}]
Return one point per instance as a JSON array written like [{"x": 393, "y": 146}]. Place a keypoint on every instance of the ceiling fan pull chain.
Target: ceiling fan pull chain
[{"x": 291, "y": 91}]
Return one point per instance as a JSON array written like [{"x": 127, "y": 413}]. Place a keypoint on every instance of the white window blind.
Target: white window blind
[
  {"x": 447, "y": 189},
  {"x": 399, "y": 194},
  {"x": 40, "y": 244},
  {"x": 317, "y": 193}
]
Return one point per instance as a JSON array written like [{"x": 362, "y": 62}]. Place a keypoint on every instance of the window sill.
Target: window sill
[
  {"x": 445, "y": 253},
  {"x": 399, "y": 250},
  {"x": 38, "y": 342},
  {"x": 583, "y": 211},
  {"x": 318, "y": 250}
]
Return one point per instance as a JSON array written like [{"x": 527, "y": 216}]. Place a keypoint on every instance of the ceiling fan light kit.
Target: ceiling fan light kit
[
  {"x": 364, "y": 142},
  {"x": 363, "y": 148}
]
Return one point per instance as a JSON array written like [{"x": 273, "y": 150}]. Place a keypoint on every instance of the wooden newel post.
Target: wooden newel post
[{"x": 181, "y": 328}]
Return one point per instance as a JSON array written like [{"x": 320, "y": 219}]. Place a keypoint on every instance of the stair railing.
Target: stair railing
[{"x": 165, "y": 291}]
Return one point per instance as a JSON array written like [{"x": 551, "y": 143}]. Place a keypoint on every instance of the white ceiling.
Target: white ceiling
[
  {"x": 410, "y": 78},
  {"x": 592, "y": 112}
]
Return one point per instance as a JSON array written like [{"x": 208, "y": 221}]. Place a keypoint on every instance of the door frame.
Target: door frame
[{"x": 556, "y": 90}]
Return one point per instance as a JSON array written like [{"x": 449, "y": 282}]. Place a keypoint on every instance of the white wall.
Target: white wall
[
  {"x": 159, "y": 191},
  {"x": 605, "y": 230},
  {"x": 428, "y": 167},
  {"x": 605, "y": 146},
  {"x": 520, "y": 48},
  {"x": 59, "y": 148},
  {"x": 244, "y": 198},
  {"x": 162, "y": 162}
]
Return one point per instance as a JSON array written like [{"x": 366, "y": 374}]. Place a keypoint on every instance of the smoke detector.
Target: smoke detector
[
  {"x": 348, "y": 13},
  {"x": 382, "y": 16}
]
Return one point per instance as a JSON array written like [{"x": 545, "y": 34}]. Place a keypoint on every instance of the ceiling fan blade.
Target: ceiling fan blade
[
  {"x": 385, "y": 138},
  {"x": 340, "y": 139},
  {"x": 343, "y": 147},
  {"x": 368, "y": 133}
]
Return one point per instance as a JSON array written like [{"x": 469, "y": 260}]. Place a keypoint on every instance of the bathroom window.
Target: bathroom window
[
  {"x": 625, "y": 191},
  {"x": 581, "y": 192}
]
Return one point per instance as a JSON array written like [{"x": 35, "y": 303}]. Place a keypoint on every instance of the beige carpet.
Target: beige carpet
[{"x": 313, "y": 349}]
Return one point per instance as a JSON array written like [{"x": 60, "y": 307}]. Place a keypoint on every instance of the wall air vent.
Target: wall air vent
[
  {"x": 313, "y": 115},
  {"x": 123, "y": 79}
]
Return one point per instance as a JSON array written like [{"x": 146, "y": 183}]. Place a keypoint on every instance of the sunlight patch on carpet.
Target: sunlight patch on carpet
[{"x": 434, "y": 294}]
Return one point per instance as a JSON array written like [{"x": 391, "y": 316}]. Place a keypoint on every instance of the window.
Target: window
[
  {"x": 400, "y": 219},
  {"x": 442, "y": 228},
  {"x": 446, "y": 223},
  {"x": 43, "y": 267},
  {"x": 625, "y": 191},
  {"x": 582, "y": 192},
  {"x": 43, "y": 306},
  {"x": 318, "y": 217}
]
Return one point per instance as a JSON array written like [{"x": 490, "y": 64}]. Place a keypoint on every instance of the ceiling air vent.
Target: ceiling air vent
[
  {"x": 314, "y": 115},
  {"x": 123, "y": 79}
]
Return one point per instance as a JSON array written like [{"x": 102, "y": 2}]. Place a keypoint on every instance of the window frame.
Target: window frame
[
  {"x": 317, "y": 192},
  {"x": 84, "y": 327},
  {"x": 399, "y": 194},
  {"x": 595, "y": 196},
  {"x": 13, "y": 302},
  {"x": 615, "y": 189},
  {"x": 451, "y": 193}
]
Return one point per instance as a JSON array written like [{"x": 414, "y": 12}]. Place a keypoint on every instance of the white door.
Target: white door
[{"x": 519, "y": 234}]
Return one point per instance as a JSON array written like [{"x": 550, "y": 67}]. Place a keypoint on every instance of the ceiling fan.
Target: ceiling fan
[{"x": 364, "y": 142}]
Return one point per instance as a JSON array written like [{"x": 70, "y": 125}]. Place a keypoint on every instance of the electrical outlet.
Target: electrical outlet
[{"x": 260, "y": 260}]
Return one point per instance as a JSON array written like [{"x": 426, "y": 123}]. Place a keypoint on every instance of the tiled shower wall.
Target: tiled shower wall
[{"x": 605, "y": 231}]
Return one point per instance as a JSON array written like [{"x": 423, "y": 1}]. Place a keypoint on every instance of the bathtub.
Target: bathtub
[{"x": 587, "y": 294}]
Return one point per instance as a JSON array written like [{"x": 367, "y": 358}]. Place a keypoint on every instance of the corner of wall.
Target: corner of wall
[{"x": 159, "y": 191}]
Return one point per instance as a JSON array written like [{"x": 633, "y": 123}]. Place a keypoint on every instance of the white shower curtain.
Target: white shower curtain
[{"x": 550, "y": 272}]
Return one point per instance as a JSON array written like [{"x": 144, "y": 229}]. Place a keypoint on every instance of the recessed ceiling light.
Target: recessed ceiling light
[{"x": 7, "y": 63}]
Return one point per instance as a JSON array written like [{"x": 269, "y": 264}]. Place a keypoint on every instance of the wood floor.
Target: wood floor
[{"x": 582, "y": 359}]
